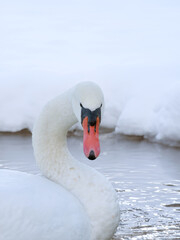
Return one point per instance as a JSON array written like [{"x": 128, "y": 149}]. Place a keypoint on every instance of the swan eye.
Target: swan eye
[
  {"x": 81, "y": 105},
  {"x": 101, "y": 105}
]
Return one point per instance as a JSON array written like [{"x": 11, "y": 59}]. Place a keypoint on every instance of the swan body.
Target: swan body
[
  {"x": 26, "y": 210},
  {"x": 76, "y": 201}
]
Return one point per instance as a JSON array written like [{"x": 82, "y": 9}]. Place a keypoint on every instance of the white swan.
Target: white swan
[{"x": 79, "y": 203}]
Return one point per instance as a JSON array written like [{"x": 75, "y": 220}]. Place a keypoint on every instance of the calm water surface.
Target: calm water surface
[{"x": 145, "y": 175}]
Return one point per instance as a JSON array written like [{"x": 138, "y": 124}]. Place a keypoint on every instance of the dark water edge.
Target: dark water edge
[{"x": 146, "y": 177}]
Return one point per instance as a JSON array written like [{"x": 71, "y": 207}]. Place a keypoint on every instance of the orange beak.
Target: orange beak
[{"x": 91, "y": 144}]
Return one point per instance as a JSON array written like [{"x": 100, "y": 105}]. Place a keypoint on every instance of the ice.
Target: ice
[{"x": 131, "y": 49}]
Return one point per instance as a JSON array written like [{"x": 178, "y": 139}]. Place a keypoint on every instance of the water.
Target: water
[{"x": 145, "y": 175}]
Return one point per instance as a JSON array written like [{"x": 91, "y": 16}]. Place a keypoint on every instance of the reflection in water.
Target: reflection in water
[{"x": 146, "y": 177}]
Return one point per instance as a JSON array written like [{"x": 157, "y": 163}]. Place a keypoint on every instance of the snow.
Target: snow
[
  {"x": 130, "y": 48},
  {"x": 156, "y": 119}
]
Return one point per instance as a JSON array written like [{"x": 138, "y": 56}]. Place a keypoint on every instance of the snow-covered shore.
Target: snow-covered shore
[
  {"x": 152, "y": 114},
  {"x": 130, "y": 48}
]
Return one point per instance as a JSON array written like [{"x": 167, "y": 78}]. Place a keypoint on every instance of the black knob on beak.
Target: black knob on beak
[{"x": 92, "y": 155}]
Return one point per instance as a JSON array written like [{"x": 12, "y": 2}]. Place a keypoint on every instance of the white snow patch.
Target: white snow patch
[{"x": 130, "y": 49}]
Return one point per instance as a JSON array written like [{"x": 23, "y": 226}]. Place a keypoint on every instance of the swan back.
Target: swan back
[{"x": 32, "y": 207}]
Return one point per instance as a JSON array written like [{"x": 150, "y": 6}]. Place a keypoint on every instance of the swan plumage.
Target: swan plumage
[
  {"x": 26, "y": 212},
  {"x": 76, "y": 191}
]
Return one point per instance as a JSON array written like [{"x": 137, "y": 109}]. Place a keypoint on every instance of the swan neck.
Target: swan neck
[
  {"x": 56, "y": 163},
  {"x": 49, "y": 135}
]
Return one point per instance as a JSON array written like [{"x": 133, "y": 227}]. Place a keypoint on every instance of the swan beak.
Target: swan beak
[{"x": 91, "y": 144}]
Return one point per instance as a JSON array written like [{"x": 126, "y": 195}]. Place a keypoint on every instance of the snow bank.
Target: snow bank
[
  {"x": 155, "y": 118},
  {"x": 131, "y": 49},
  {"x": 153, "y": 114}
]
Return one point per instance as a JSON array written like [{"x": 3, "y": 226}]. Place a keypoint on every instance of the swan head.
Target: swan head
[{"x": 88, "y": 106}]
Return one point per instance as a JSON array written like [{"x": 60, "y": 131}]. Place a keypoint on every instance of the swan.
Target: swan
[{"x": 70, "y": 201}]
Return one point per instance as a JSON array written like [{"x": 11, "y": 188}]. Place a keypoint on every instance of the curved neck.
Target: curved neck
[
  {"x": 49, "y": 135},
  {"x": 56, "y": 163}
]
